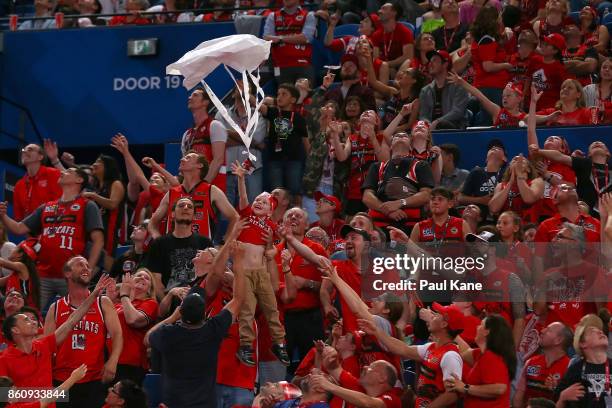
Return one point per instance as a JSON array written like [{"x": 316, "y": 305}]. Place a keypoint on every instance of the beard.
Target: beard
[
  {"x": 348, "y": 77},
  {"x": 182, "y": 221}
]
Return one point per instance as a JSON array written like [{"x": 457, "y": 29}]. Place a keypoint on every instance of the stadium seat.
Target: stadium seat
[
  {"x": 410, "y": 26},
  {"x": 607, "y": 20},
  {"x": 346, "y": 29},
  {"x": 575, "y": 15}
]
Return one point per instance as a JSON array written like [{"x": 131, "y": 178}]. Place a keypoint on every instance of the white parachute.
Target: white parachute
[{"x": 241, "y": 52}]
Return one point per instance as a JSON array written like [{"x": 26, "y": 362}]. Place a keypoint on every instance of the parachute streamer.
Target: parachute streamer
[{"x": 243, "y": 53}]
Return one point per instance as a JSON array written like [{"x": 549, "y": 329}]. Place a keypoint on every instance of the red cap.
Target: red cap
[
  {"x": 443, "y": 54},
  {"x": 375, "y": 18},
  {"x": 290, "y": 390},
  {"x": 358, "y": 339},
  {"x": 453, "y": 316},
  {"x": 556, "y": 40},
  {"x": 516, "y": 87},
  {"x": 30, "y": 247},
  {"x": 350, "y": 57},
  {"x": 332, "y": 199}
]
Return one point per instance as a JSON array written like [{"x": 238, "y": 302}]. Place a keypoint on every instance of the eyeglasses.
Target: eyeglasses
[{"x": 566, "y": 187}]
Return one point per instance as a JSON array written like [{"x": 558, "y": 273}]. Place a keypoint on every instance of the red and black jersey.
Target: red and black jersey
[
  {"x": 290, "y": 55},
  {"x": 451, "y": 230},
  {"x": 362, "y": 156},
  {"x": 84, "y": 345},
  {"x": 505, "y": 119},
  {"x": 204, "y": 218},
  {"x": 430, "y": 383},
  {"x": 113, "y": 222},
  {"x": 197, "y": 139},
  {"x": 63, "y": 235},
  {"x": 580, "y": 54},
  {"x": 536, "y": 373}
]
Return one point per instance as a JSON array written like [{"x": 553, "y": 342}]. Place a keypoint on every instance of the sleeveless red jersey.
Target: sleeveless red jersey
[
  {"x": 496, "y": 294},
  {"x": 290, "y": 55},
  {"x": 25, "y": 287},
  {"x": 362, "y": 156},
  {"x": 63, "y": 236},
  {"x": 505, "y": 119},
  {"x": 85, "y": 344},
  {"x": 451, "y": 230},
  {"x": 430, "y": 383},
  {"x": 198, "y": 140},
  {"x": 537, "y": 371},
  {"x": 253, "y": 232},
  {"x": 204, "y": 217}
]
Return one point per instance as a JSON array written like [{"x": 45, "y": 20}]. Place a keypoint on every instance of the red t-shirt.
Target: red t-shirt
[
  {"x": 134, "y": 352},
  {"x": 548, "y": 77},
  {"x": 122, "y": 20},
  {"x": 31, "y": 192},
  {"x": 253, "y": 232},
  {"x": 488, "y": 50},
  {"x": 305, "y": 299},
  {"x": 32, "y": 369},
  {"x": 390, "y": 44},
  {"x": 581, "y": 116},
  {"x": 550, "y": 227},
  {"x": 349, "y": 273},
  {"x": 506, "y": 119},
  {"x": 470, "y": 323},
  {"x": 571, "y": 291},
  {"x": 489, "y": 368},
  {"x": 391, "y": 398},
  {"x": 332, "y": 230}
]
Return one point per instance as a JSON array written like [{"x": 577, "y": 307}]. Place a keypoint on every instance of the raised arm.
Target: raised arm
[
  {"x": 491, "y": 107},
  {"x": 134, "y": 172},
  {"x": 240, "y": 174},
  {"x": 18, "y": 228},
  {"x": 158, "y": 216},
  {"x": 213, "y": 279},
  {"x": 352, "y": 299},
  {"x": 154, "y": 166},
  {"x": 395, "y": 346},
  {"x": 392, "y": 127}
]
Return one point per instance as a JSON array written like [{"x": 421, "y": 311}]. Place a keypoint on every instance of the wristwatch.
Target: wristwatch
[
  {"x": 403, "y": 202},
  {"x": 466, "y": 388}
]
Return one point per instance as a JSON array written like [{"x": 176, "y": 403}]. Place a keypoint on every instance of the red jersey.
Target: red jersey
[
  {"x": 450, "y": 230},
  {"x": 84, "y": 345},
  {"x": 496, "y": 291},
  {"x": 253, "y": 232},
  {"x": 489, "y": 368},
  {"x": 546, "y": 28},
  {"x": 517, "y": 250},
  {"x": 305, "y": 298},
  {"x": 580, "y": 54},
  {"x": 349, "y": 273},
  {"x": 515, "y": 203},
  {"x": 290, "y": 55},
  {"x": 470, "y": 324},
  {"x": 63, "y": 236},
  {"x": 536, "y": 374},
  {"x": 25, "y": 287},
  {"x": 332, "y": 230},
  {"x": 362, "y": 156},
  {"x": 204, "y": 218},
  {"x": 421, "y": 66},
  {"x": 571, "y": 292},
  {"x": 31, "y": 192},
  {"x": 198, "y": 139},
  {"x": 346, "y": 44},
  {"x": 488, "y": 50},
  {"x": 546, "y": 206},
  {"x": 230, "y": 371},
  {"x": 391, "y": 45},
  {"x": 122, "y": 20},
  {"x": 211, "y": 17},
  {"x": 134, "y": 352},
  {"x": 431, "y": 382},
  {"x": 547, "y": 77},
  {"x": 505, "y": 119}
]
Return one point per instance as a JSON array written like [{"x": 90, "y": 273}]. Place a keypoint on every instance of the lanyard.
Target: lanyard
[
  {"x": 599, "y": 189},
  {"x": 437, "y": 243},
  {"x": 448, "y": 42},
  {"x": 607, "y": 386},
  {"x": 387, "y": 47}
]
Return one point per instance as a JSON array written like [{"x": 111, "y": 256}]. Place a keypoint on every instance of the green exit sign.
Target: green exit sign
[{"x": 142, "y": 48}]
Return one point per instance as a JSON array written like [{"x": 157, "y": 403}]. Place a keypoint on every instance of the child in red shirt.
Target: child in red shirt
[{"x": 256, "y": 238}]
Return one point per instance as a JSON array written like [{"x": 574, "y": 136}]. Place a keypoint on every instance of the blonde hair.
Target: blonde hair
[
  {"x": 580, "y": 103},
  {"x": 151, "y": 291}
]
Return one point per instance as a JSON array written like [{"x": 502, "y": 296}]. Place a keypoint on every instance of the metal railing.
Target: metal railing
[{"x": 24, "y": 116}]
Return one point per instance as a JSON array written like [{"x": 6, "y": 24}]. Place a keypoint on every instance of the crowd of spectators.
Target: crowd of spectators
[{"x": 250, "y": 282}]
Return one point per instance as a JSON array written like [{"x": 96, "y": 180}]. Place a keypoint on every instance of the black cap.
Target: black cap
[
  {"x": 496, "y": 143},
  {"x": 347, "y": 229},
  {"x": 193, "y": 308}
]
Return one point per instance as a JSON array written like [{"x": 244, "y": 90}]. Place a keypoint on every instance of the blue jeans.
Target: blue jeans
[
  {"x": 228, "y": 396},
  {"x": 495, "y": 95},
  {"x": 271, "y": 371},
  {"x": 287, "y": 174},
  {"x": 254, "y": 185},
  {"x": 310, "y": 205}
]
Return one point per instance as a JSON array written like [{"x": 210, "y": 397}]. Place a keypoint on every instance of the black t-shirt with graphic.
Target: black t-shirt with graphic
[
  {"x": 172, "y": 258},
  {"x": 287, "y": 128},
  {"x": 480, "y": 183},
  {"x": 588, "y": 176},
  {"x": 593, "y": 377}
]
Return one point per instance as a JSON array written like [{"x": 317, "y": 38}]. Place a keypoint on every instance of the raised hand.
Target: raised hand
[
  {"x": 68, "y": 159},
  {"x": 149, "y": 162},
  {"x": 397, "y": 235},
  {"x": 127, "y": 285},
  {"x": 120, "y": 143},
  {"x": 51, "y": 150},
  {"x": 328, "y": 79},
  {"x": 79, "y": 373},
  {"x": 238, "y": 170}
]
